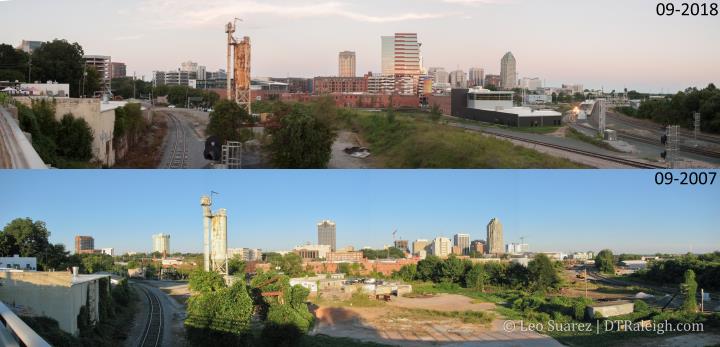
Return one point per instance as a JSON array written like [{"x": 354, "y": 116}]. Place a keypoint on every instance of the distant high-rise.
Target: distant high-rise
[
  {"x": 419, "y": 245},
  {"x": 463, "y": 242},
  {"x": 441, "y": 247},
  {"x": 103, "y": 65},
  {"x": 495, "y": 237},
  {"x": 326, "y": 234},
  {"x": 458, "y": 79},
  {"x": 508, "y": 72},
  {"x": 189, "y": 66},
  {"x": 29, "y": 46},
  {"x": 402, "y": 244},
  {"x": 161, "y": 244},
  {"x": 476, "y": 76},
  {"x": 477, "y": 246},
  {"x": 84, "y": 244},
  {"x": 492, "y": 80},
  {"x": 401, "y": 58},
  {"x": 346, "y": 63},
  {"x": 118, "y": 70}
]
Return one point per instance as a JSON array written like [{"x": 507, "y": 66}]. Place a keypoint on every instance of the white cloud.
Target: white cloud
[
  {"x": 200, "y": 13},
  {"x": 129, "y": 37}
]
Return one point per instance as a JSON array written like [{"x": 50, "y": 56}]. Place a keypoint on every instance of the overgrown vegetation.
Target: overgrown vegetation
[
  {"x": 221, "y": 314},
  {"x": 595, "y": 141},
  {"x": 605, "y": 261},
  {"x": 58, "y": 143},
  {"x": 230, "y": 122},
  {"x": 679, "y": 109},
  {"x": 404, "y": 141},
  {"x": 671, "y": 271}
]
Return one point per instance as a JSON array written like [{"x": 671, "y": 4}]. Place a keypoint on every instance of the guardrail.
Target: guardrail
[
  {"x": 20, "y": 151},
  {"x": 14, "y": 332}
]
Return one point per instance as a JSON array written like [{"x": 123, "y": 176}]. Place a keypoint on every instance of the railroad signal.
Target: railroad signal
[
  {"x": 663, "y": 139},
  {"x": 663, "y": 155}
]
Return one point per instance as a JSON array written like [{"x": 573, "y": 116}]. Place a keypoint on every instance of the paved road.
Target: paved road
[{"x": 183, "y": 147}]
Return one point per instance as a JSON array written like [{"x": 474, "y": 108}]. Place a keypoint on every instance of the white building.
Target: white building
[
  {"x": 555, "y": 255},
  {"x": 538, "y": 99},
  {"x": 245, "y": 254},
  {"x": 54, "y": 89},
  {"x": 582, "y": 256},
  {"x": 108, "y": 251},
  {"x": 634, "y": 264},
  {"x": 458, "y": 79},
  {"x": 476, "y": 77},
  {"x": 517, "y": 248},
  {"x": 484, "y": 99},
  {"x": 161, "y": 243},
  {"x": 322, "y": 250},
  {"x": 441, "y": 247},
  {"x": 531, "y": 83},
  {"x": 381, "y": 84},
  {"x": 19, "y": 263}
]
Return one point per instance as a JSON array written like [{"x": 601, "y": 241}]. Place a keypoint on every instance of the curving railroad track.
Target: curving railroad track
[
  {"x": 623, "y": 161},
  {"x": 179, "y": 152},
  {"x": 152, "y": 333}
]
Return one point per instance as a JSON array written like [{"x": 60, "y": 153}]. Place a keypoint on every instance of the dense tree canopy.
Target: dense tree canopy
[
  {"x": 60, "y": 61},
  {"x": 227, "y": 121},
  {"x": 605, "y": 261},
  {"x": 304, "y": 138},
  {"x": 13, "y": 64}
]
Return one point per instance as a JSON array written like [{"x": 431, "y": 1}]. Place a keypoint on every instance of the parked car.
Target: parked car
[{"x": 171, "y": 106}]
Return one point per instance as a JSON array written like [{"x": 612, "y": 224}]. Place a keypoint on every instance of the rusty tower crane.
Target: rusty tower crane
[{"x": 238, "y": 61}]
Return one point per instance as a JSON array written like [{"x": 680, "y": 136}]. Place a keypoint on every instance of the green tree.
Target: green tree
[
  {"x": 451, "y": 270},
  {"x": 542, "y": 273},
  {"x": 92, "y": 263},
  {"x": 302, "y": 141},
  {"x": 204, "y": 281},
  {"x": 605, "y": 261},
  {"x": 290, "y": 264},
  {"x": 59, "y": 61},
  {"x": 74, "y": 138},
  {"x": 477, "y": 277},
  {"x": 91, "y": 83},
  {"x": 426, "y": 267},
  {"x": 227, "y": 120},
  {"x": 8, "y": 245},
  {"x": 13, "y": 64},
  {"x": 407, "y": 273},
  {"x": 31, "y": 237},
  {"x": 220, "y": 316},
  {"x": 689, "y": 291},
  {"x": 236, "y": 266}
]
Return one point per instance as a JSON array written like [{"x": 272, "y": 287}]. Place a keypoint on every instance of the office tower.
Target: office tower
[
  {"x": 495, "y": 237},
  {"x": 189, "y": 66},
  {"x": 476, "y": 77},
  {"x": 492, "y": 80},
  {"x": 84, "y": 244},
  {"x": 508, "y": 72},
  {"x": 346, "y": 63},
  {"x": 531, "y": 83},
  {"x": 477, "y": 246},
  {"x": 29, "y": 46},
  {"x": 401, "y": 58},
  {"x": 458, "y": 79},
  {"x": 419, "y": 245},
  {"x": 326, "y": 234},
  {"x": 441, "y": 247},
  {"x": 161, "y": 244},
  {"x": 388, "y": 55},
  {"x": 463, "y": 242},
  {"x": 118, "y": 70}
]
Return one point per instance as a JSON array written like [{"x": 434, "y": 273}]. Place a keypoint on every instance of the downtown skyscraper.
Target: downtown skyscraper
[
  {"x": 508, "y": 72},
  {"x": 401, "y": 58},
  {"x": 495, "y": 237},
  {"x": 326, "y": 234},
  {"x": 346, "y": 64}
]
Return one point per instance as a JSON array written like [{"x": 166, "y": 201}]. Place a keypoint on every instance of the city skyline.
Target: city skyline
[
  {"x": 151, "y": 35},
  {"x": 555, "y": 211}
]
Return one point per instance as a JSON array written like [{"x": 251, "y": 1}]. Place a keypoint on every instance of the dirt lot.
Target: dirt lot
[
  {"x": 341, "y": 160},
  {"x": 398, "y": 323}
]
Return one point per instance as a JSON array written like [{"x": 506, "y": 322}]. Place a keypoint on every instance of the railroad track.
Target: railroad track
[
  {"x": 683, "y": 148},
  {"x": 624, "y": 161},
  {"x": 152, "y": 334},
  {"x": 643, "y": 126},
  {"x": 179, "y": 153}
]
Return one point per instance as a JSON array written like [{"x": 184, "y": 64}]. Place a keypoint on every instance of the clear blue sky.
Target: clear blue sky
[
  {"x": 612, "y": 44},
  {"x": 275, "y": 210}
]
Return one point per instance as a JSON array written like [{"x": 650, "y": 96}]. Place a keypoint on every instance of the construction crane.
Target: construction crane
[{"x": 238, "y": 61}]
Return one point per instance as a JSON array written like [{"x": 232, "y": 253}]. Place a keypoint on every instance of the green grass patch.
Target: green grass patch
[
  {"x": 470, "y": 317},
  {"x": 414, "y": 142},
  {"x": 537, "y": 130},
  {"x": 358, "y": 299},
  {"x": 595, "y": 141}
]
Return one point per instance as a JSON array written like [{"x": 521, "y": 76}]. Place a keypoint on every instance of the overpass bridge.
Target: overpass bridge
[{"x": 16, "y": 150}]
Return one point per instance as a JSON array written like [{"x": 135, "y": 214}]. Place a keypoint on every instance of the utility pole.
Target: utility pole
[{"x": 586, "y": 287}]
